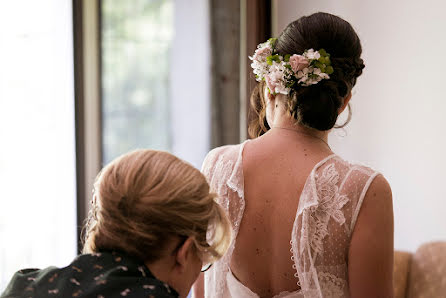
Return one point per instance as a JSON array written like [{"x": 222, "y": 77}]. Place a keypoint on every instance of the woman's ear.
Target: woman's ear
[
  {"x": 346, "y": 101},
  {"x": 269, "y": 97},
  {"x": 184, "y": 254}
]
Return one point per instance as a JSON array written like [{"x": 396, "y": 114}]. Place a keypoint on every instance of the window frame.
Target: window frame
[{"x": 87, "y": 90}]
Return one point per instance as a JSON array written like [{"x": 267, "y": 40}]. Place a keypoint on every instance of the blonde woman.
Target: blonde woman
[{"x": 153, "y": 226}]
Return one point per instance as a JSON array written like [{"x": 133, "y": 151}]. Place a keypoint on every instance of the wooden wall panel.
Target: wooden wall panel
[
  {"x": 237, "y": 27},
  {"x": 225, "y": 71}
]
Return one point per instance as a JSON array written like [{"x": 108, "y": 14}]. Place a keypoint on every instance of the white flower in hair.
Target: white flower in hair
[
  {"x": 311, "y": 54},
  {"x": 259, "y": 60},
  {"x": 282, "y": 74},
  {"x": 276, "y": 79},
  {"x": 260, "y": 69}
]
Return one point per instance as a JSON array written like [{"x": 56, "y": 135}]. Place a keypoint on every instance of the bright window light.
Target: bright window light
[{"x": 37, "y": 152}]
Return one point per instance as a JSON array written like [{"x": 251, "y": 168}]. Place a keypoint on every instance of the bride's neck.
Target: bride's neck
[{"x": 283, "y": 121}]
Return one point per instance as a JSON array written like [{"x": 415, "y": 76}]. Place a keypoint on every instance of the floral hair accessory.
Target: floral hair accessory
[{"x": 283, "y": 74}]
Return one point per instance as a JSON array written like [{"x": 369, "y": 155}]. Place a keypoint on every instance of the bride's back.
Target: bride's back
[
  {"x": 262, "y": 257},
  {"x": 306, "y": 76}
]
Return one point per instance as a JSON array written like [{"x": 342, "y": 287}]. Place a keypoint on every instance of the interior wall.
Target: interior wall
[{"x": 398, "y": 104}]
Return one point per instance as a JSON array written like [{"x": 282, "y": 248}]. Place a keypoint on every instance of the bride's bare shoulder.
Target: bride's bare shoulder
[{"x": 371, "y": 247}]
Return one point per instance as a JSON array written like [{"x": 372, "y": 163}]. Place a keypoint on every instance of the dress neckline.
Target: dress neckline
[
  {"x": 239, "y": 163},
  {"x": 241, "y": 289}
]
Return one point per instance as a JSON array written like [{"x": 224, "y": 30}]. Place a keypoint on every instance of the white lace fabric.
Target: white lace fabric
[{"x": 325, "y": 219}]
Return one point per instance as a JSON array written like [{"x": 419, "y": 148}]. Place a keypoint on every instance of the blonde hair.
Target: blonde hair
[{"x": 145, "y": 197}]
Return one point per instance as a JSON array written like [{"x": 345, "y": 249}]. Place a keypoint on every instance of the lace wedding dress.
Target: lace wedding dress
[{"x": 328, "y": 208}]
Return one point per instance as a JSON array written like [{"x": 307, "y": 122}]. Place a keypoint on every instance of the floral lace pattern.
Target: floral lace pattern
[
  {"x": 225, "y": 170},
  {"x": 328, "y": 207},
  {"x": 331, "y": 286}
]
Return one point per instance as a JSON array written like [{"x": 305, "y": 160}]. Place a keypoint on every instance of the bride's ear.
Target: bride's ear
[
  {"x": 268, "y": 96},
  {"x": 345, "y": 104}
]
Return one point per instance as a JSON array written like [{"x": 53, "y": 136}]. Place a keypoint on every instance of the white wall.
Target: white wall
[
  {"x": 190, "y": 81},
  {"x": 399, "y": 104}
]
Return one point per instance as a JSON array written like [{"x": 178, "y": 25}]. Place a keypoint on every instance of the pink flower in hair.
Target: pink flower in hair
[
  {"x": 298, "y": 62},
  {"x": 261, "y": 54},
  {"x": 276, "y": 78},
  {"x": 270, "y": 83}
]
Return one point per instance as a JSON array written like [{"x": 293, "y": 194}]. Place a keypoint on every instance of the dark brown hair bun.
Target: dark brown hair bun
[{"x": 317, "y": 106}]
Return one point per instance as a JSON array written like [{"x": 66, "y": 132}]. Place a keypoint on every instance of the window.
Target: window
[
  {"x": 155, "y": 77},
  {"x": 155, "y": 70},
  {"x": 37, "y": 160},
  {"x": 136, "y": 43}
]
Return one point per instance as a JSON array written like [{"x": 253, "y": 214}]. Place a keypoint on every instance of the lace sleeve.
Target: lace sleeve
[
  {"x": 207, "y": 168},
  {"x": 327, "y": 213},
  {"x": 224, "y": 171}
]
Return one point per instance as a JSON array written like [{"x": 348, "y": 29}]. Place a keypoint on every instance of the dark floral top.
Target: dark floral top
[{"x": 99, "y": 275}]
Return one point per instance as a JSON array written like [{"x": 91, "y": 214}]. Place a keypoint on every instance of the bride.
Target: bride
[{"x": 306, "y": 222}]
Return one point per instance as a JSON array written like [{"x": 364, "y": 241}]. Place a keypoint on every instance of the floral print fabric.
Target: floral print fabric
[{"x": 99, "y": 275}]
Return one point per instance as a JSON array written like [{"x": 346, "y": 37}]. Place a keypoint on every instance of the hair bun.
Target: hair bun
[
  {"x": 317, "y": 106},
  {"x": 349, "y": 68}
]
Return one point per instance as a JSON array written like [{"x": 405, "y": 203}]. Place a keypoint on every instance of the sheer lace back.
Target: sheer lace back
[{"x": 325, "y": 219}]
